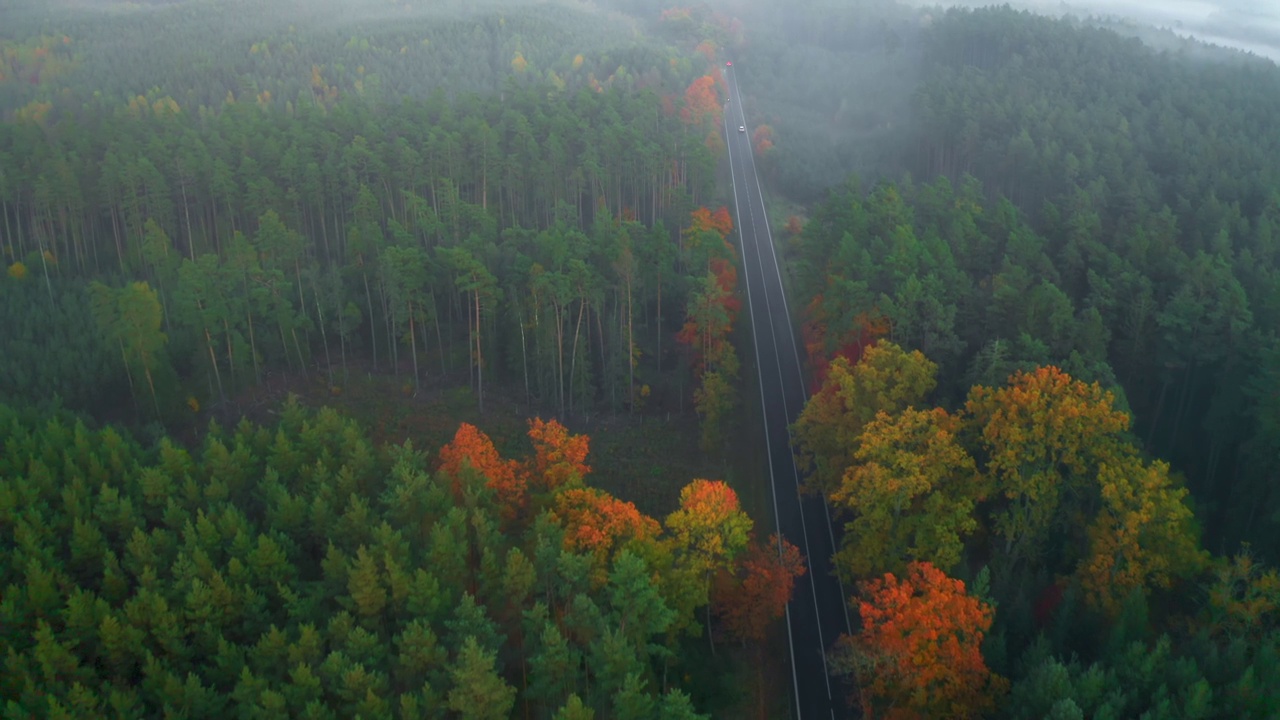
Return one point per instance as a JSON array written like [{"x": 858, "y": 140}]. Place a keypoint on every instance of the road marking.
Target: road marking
[
  {"x": 804, "y": 523},
  {"x": 844, "y": 605},
  {"x": 764, "y": 411},
  {"x": 773, "y": 333}
]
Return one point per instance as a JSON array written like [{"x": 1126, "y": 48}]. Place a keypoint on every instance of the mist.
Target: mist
[{"x": 1246, "y": 25}]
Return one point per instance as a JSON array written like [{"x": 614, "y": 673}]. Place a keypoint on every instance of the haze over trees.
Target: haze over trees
[{"x": 1034, "y": 262}]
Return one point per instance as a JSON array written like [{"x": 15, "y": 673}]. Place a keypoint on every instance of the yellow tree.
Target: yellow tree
[
  {"x": 911, "y": 491},
  {"x": 887, "y": 378},
  {"x": 1144, "y": 536},
  {"x": 1043, "y": 437},
  {"x": 709, "y": 530}
]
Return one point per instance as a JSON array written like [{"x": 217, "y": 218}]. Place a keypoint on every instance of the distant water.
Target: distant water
[{"x": 1249, "y": 25}]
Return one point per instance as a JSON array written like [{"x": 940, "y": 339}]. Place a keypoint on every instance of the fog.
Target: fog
[{"x": 1249, "y": 25}]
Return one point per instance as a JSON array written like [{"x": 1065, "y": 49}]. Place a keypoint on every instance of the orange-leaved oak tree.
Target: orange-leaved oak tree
[
  {"x": 558, "y": 457},
  {"x": 1043, "y": 437},
  {"x": 595, "y": 522},
  {"x": 1144, "y": 535},
  {"x": 887, "y": 379},
  {"x": 919, "y": 653},
  {"x": 470, "y": 447},
  {"x": 911, "y": 491}
]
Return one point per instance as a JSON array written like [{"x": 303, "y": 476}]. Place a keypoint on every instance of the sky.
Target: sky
[{"x": 1252, "y": 25}]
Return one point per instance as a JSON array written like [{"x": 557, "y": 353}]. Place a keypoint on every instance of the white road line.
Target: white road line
[
  {"x": 844, "y": 605},
  {"x": 755, "y": 342},
  {"x": 804, "y": 523},
  {"x": 782, "y": 388}
]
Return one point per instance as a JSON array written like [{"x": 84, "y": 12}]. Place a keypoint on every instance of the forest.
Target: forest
[{"x": 1035, "y": 264}]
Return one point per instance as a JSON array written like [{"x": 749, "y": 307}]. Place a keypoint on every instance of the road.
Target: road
[{"x": 817, "y": 614}]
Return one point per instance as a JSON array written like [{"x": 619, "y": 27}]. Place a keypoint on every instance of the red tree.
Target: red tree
[
  {"x": 722, "y": 222},
  {"x": 868, "y": 327},
  {"x": 757, "y": 594}
]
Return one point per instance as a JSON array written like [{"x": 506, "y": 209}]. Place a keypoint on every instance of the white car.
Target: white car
[{"x": 742, "y": 128}]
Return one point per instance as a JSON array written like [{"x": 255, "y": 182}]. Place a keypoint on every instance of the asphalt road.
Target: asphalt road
[{"x": 817, "y": 614}]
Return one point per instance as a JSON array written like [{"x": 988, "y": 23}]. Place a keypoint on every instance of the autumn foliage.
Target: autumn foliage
[
  {"x": 822, "y": 346},
  {"x": 888, "y": 379},
  {"x": 919, "y": 653},
  {"x": 794, "y": 225},
  {"x": 1044, "y": 436},
  {"x": 703, "y": 220},
  {"x": 750, "y": 599},
  {"x": 762, "y": 140},
  {"x": 714, "y": 307},
  {"x": 710, "y": 524},
  {"x": 37, "y": 60},
  {"x": 911, "y": 491},
  {"x": 1143, "y": 536},
  {"x": 598, "y": 523},
  {"x": 470, "y": 447},
  {"x": 701, "y": 102},
  {"x": 558, "y": 456}
]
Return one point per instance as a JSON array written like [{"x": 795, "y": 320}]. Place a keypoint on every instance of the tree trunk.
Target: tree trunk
[
  {"x": 302, "y": 361},
  {"x": 435, "y": 314},
  {"x": 231, "y": 358},
  {"x": 324, "y": 337},
  {"x": 631, "y": 354},
  {"x": 155, "y": 401},
  {"x": 659, "y": 349},
  {"x": 573, "y": 354},
  {"x": 479, "y": 357},
  {"x": 284, "y": 345},
  {"x": 133, "y": 392},
  {"x": 368, "y": 301},
  {"x": 560, "y": 356},
  {"x": 413, "y": 346},
  {"x": 603, "y": 366},
  {"x": 524, "y": 362},
  {"x": 253, "y": 349}
]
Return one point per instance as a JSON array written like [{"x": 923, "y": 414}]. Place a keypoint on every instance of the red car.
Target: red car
[{"x": 728, "y": 64}]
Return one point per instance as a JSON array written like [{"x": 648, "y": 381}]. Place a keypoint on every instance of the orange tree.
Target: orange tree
[
  {"x": 471, "y": 448},
  {"x": 919, "y": 652}
]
